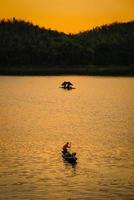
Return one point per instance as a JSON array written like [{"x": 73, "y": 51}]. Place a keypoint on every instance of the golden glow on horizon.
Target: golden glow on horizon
[{"x": 68, "y": 15}]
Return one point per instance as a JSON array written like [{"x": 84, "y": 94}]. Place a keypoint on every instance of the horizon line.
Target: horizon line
[{"x": 67, "y": 33}]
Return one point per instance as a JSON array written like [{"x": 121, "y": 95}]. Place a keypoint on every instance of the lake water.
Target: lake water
[{"x": 37, "y": 118}]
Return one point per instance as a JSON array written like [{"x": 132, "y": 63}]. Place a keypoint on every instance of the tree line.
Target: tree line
[{"x": 22, "y": 43}]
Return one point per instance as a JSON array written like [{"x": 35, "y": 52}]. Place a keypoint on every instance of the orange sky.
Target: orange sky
[{"x": 70, "y": 16}]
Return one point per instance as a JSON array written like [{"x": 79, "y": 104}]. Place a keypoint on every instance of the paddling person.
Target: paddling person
[{"x": 65, "y": 148}]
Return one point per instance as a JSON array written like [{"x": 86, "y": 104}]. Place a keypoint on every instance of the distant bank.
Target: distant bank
[
  {"x": 27, "y": 49},
  {"x": 71, "y": 70}
]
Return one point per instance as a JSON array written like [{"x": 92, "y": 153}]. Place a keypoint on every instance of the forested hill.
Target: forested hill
[
  {"x": 109, "y": 44},
  {"x": 25, "y": 44}
]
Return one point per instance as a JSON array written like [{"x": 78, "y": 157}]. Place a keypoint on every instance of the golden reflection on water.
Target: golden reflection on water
[{"x": 37, "y": 117}]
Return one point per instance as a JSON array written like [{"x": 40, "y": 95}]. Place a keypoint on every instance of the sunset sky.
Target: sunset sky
[{"x": 70, "y": 16}]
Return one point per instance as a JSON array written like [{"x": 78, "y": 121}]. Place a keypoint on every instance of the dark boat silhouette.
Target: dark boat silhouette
[
  {"x": 67, "y": 85},
  {"x": 70, "y": 157}
]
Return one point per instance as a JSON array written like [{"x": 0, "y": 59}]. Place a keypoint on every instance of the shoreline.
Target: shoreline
[{"x": 89, "y": 70}]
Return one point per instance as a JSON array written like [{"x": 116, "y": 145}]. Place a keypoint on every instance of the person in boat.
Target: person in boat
[
  {"x": 69, "y": 84},
  {"x": 64, "y": 84},
  {"x": 65, "y": 148}
]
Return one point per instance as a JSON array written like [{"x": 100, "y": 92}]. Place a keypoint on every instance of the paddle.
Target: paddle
[{"x": 70, "y": 147}]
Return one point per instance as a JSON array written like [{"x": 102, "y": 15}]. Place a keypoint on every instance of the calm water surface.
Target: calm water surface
[{"x": 37, "y": 118}]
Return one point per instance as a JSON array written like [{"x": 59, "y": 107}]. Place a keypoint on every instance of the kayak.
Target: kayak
[{"x": 70, "y": 157}]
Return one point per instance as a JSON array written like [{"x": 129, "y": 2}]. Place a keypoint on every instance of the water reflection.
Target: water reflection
[
  {"x": 37, "y": 117},
  {"x": 69, "y": 165}
]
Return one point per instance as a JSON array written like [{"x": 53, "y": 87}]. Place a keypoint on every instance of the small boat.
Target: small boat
[
  {"x": 67, "y": 85},
  {"x": 70, "y": 157},
  {"x": 67, "y": 88}
]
